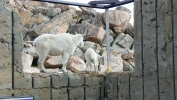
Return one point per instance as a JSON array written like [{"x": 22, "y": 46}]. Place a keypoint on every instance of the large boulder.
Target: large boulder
[
  {"x": 116, "y": 62},
  {"x": 76, "y": 64},
  {"x": 58, "y": 24},
  {"x": 122, "y": 41},
  {"x": 122, "y": 8},
  {"x": 62, "y": 7},
  {"x": 118, "y": 20},
  {"x": 130, "y": 30},
  {"x": 25, "y": 15},
  {"x": 94, "y": 34},
  {"x": 37, "y": 19},
  {"x": 51, "y": 12},
  {"x": 53, "y": 62},
  {"x": 88, "y": 11},
  {"x": 98, "y": 21}
]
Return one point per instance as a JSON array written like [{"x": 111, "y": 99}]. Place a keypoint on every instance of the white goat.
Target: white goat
[
  {"x": 60, "y": 44},
  {"x": 92, "y": 57}
]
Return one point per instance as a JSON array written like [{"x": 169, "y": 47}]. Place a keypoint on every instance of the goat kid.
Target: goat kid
[
  {"x": 60, "y": 44},
  {"x": 92, "y": 57}
]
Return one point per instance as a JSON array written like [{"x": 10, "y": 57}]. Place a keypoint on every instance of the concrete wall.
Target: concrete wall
[{"x": 154, "y": 77}]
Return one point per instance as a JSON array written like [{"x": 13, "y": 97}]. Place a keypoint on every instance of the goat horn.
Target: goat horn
[{"x": 76, "y": 33}]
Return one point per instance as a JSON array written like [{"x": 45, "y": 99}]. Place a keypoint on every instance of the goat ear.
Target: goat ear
[
  {"x": 84, "y": 34},
  {"x": 76, "y": 33}
]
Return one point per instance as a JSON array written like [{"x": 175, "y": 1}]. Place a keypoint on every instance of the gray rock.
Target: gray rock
[
  {"x": 122, "y": 8},
  {"x": 130, "y": 30},
  {"x": 58, "y": 24},
  {"x": 98, "y": 21},
  {"x": 88, "y": 11},
  {"x": 94, "y": 34},
  {"x": 118, "y": 20},
  {"x": 128, "y": 66}
]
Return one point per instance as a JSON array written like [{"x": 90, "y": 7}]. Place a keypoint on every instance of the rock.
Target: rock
[
  {"x": 116, "y": 62},
  {"x": 53, "y": 62},
  {"x": 127, "y": 54},
  {"x": 78, "y": 52},
  {"x": 122, "y": 41},
  {"x": 58, "y": 24},
  {"x": 27, "y": 63},
  {"x": 130, "y": 30},
  {"x": 94, "y": 34},
  {"x": 128, "y": 66},
  {"x": 118, "y": 20},
  {"x": 47, "y": 5},
  {"x": 122, "y": 8},
  {"x": 76, "y": 64},
  {"x": 88, "y": 44},
  {"x": 34, "y": 3},
  {"x": 25, "y": 15},
  {"x": 88, "y": 11},
  {"x": 111, "y": 39},
  {"x": 37, "y": 19},
  {"x": 51, "y": 12},
  {"x": 98, "y": 21},
  {"x": 62, "y": 7},
  {"x": 126, "y": 42}
]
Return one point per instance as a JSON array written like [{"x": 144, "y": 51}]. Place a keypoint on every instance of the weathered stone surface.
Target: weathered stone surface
[
  {"x": 25, "y": 15},
  {"x": 93, "y": 81},
  {"x": 58, "y": 24},
  {"x": 51, "y": 12},
  {"x": 5, "y": 47},
  {"x": 53, "y": 62},
  {"x": 62, "y": 7},
  {"x": 92, "y": 93},
  {"x": 75, "y": 80},
  {"x": 122, "y": 8},
  {"x": 34, "y": 3},
  {"x": 22, "y": 82},
  {"x": 130, "y": 30},
  {"x": 88, "y": 11},
  {"x": 76, "y": 93},
  {"x": 94, "y": 34},
  {"x": 59, "y": 94},
  {"x": 37, "y": 19},
  {"x": 76, "y": 64},
  {"x": 78, "y": 52},
  {"x": 40, "y": 82},
  {"x": 18, "y": 30},
  {"x": 60, "y": 80},
  {"x": 127, "y": 55},
  {"x": 116, "y": 62},
  {"x": 39, "y": 94},
  {"x": 98, "y": 21},
  {"x": 112, "y": 87},
  {"x": 122, "y": 41},
  {"x": 126, "y": 42},
  {"x": 128, "y": 66},
  {"x": 118, "y": 20}
]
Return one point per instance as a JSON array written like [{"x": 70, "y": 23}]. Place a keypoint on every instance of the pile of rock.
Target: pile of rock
[{"x": 48, "y": 18}]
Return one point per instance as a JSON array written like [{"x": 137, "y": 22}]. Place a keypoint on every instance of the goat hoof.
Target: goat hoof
[{"x": 44, "y": 71}]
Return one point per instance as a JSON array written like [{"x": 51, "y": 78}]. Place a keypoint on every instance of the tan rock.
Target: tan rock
[
  {"x": 118, "y": 20},
  {"x": 53, "y": 62},
  {"x": 25, "y": 15},
  {"x": 76, "y": 64}
]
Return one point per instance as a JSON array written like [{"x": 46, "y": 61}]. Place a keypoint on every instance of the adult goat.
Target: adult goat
[
  {"x": 92, "y": 57},
  {"x": 60, "y": 44}
]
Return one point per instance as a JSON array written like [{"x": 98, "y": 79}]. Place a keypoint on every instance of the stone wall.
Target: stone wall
[{"x": 154, "y": 77}]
